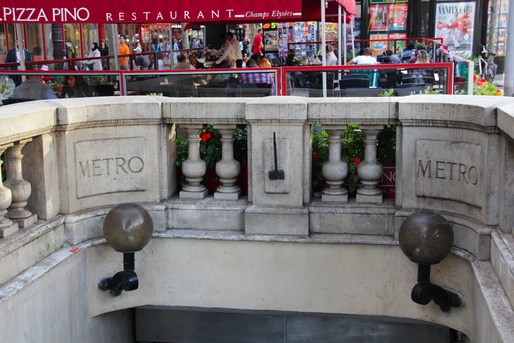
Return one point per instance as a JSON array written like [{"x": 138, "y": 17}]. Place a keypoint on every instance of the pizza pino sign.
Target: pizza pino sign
[{"x": 80, "y": 11}]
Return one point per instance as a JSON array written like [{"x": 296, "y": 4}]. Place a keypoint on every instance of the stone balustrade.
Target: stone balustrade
[{"x": 68, "y": 161}]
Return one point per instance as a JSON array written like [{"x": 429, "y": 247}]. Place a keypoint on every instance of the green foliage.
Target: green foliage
[
  {"x": 241, "y": 144},
  {"x": 181, "y": 148},
  {"x": 482, "y": 87},
  {"x": 386, "y": 148},
  {"x": 388, "y": 93},
  {"x": 319, "y": 143},
  {"x": 210, "y": 146}
]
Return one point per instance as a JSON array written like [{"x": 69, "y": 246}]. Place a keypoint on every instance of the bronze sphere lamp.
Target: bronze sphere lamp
[
  {"x": 426, "y": 238},
  {"x": 127, "y": 229}
]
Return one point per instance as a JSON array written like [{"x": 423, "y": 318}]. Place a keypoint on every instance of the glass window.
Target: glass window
[
  {"x": 3, "y": 43},
  {"x": 89, "y": 35},
  {"x": 34, "y": 42},
  {"x": 72, "y": 40}
]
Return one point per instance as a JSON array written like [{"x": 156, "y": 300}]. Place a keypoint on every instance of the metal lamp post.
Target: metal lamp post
[
  {"x": 426, "y": 238},
  {"x": 127, "y": 229}
]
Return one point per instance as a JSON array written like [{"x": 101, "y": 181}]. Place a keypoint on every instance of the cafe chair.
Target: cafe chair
[{"x": 354, "y": 83}]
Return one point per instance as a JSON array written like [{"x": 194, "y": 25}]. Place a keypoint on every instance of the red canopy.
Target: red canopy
[
  {"x": 153, "y": 11},
  {"x": 311, "y": 10},
  {"x": 350, "y": 6}
]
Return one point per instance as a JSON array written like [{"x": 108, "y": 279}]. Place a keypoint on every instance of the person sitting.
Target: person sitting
[
  {"x": 423, "y": 76},
  {"x": 394, "y": 58},
  {"x": 364, "y": 59},
  {"x": 75, "y": 87},
  {"x": 142, "y": 61},
  {"x": 182, "y": 63},
  {"x": 414, "y": 57},
  {"x": 331, "y": 56},
  {"x": 291, "y": 60},
  {"x": 408, "y": 52},
  {"x": 227, "y": 54},
  {"x": 33, "y": 88},
  {"x": 263, "y": 62},
  {"x": 256, "y": 78},
  {"x": 193, "y": 60}
]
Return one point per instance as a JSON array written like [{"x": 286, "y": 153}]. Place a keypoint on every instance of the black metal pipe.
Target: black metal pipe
[
  {"x": 128, "y": 261},
  {"x": 423, "y": 273}
]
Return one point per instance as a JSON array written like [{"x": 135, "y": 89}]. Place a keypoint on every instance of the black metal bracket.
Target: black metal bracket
[
  {"x": 125, "y": 280},
  {"x": 424, "y": 291},
  {"x": 276, "y": 174}
]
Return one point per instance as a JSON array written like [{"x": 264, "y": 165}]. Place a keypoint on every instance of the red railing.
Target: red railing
[
  {"x": 281, "y": 73},
  {"x": 447, "y": 66}
]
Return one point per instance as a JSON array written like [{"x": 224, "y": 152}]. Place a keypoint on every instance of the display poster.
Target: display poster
[
  {"x": 400, "y": 44},
  {"x": 397, "y": 17},
  {"x": 270, "y": 36},
  {"x": 454, "y": 23},
  {"x": 378, "y": 43},
  {"x": 331, "y": 32},
  {"x": 378, "y": 17},
  {"x": 270, "y": 40}
]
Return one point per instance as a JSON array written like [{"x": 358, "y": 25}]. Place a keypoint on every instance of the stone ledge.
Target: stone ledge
[
  {"x": 502, "y": 260},
  {"x": 206, "y": 214},
  {"x": 352, "y": 218},
  {"x": 28, "y": 247},
  {"x": 496, "y": 304}
]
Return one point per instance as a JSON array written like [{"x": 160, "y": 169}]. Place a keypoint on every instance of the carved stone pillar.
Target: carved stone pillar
[
  {"x": 7, "y": 227},
  {"x": 194, "y": 167},
  {"x": 20, "y": 188},
  {"x": 227, "y": 168},
  {"x": 370, "y": 170},
  {"x": 334, "y": 170}
]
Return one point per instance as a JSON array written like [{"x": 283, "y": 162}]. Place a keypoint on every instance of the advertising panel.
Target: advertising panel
[
  {"x": 378, "y": 17},
  {"x": 397, "y": 17},
  {"x": 455, "y": 23}
]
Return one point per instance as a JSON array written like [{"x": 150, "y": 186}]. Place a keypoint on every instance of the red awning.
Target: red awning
[
  {"x": 311, "y": 10},
  {"x": 154, "y": 11},
  {"x": 350, "y": 6}
]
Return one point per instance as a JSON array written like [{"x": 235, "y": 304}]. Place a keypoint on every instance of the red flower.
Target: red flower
[
  {"x": 481, "y": 82},
  {"x": 356, "y": 161},
  {"x": 498, "y": 91},
  {"x": 475, "y": 78},
  {"x": 315, "y": 155},
  {"x": 205, "y": 136}
]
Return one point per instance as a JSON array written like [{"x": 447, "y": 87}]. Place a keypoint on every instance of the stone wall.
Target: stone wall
[{"x": 278, "y": 248}]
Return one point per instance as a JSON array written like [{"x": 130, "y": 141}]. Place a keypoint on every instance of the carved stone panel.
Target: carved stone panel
[
  {"x": 449, "y": 170},
  {"x": 110, "y": 165}
]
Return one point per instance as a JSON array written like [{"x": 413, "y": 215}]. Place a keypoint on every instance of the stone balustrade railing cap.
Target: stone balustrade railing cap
[
  {"x": 353, "y": 110},
  {"x": 205, "y": 110},
  {"x": 472, "y": 110},
  {"x": 506, "y": 119},
  {"x": 80, "y": 110},
  {"x": 277, "y": 108},
  {"x": 27, "y": 119}
]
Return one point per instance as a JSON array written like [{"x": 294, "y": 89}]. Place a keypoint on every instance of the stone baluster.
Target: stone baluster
[
  {"x": 20, "y": 188},
  {"x": 7, "y": 227},
  {"x": 370, "y": 170},
  {"x": 335, "y": 170},
  {"x": 194, "y": 167},
  {"x": 227, "y": 168}
]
